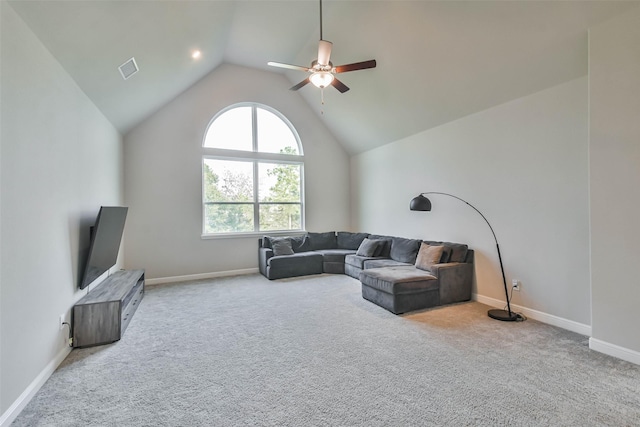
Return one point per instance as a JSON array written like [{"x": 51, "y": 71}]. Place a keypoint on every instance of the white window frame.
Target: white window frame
[{"x": 256, "y": 158}]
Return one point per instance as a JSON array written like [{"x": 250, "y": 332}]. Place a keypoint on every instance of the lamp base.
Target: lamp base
[{"x": 503, "y": 315}]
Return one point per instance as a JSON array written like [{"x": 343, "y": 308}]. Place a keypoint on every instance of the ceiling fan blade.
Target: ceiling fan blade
[
  {"x": 356, "y": 66},
  {"x": 339, "y": 85},
  {"x": 324, "y": 52},
  {"x": 288, "y": 66},
  {"x": 301, "y": 84}
]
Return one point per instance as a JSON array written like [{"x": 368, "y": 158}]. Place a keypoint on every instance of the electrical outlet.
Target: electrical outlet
[
  {"x": 515, "y": 284},
  {"x": 61, "y": 322}
]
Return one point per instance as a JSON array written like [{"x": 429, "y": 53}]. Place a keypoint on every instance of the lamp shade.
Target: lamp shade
[
  {"x": 420, "y": 203},
  {"x": 321, "y": 79}
]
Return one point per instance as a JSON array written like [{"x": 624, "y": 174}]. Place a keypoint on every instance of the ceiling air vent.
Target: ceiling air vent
[{"x": 129, "y": 68}]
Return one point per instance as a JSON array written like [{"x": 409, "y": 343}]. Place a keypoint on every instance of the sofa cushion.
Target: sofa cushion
[
  {"x": 318, "y": 241},
  {"x": 295, "y": 259},
  {"x": 266, "y": 242},
  {"x": 335, "y": 255},
  {"x": 356, "y": 260},
  {"x": 368, "y": 247},
  {"x": 384, "y": 262},
  {"x": 458, "y": 252},
  {"x": 446, "y": 254},
  {"x": 297, "y": 242},
  {"x": 428, "y": 256},
  {"x": 404, "y": 250},
  {"x": 281, "y": 246},
  {"x": 299, "y": 264},
  {"x": 384, "y": 249},
  {"x": 348, "y": 240},
  {"x": 399, "y": 280}
]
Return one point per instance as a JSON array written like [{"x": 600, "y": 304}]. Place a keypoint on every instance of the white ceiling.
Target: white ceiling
[{"x": 437, "y": 60}]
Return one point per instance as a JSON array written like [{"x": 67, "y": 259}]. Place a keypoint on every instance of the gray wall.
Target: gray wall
[
  {"x": 163, "y": 175},
  {"x": 523, "y": 164},
  {"x": 61, "y": 159},
  {"x": 614, "y": 83}
]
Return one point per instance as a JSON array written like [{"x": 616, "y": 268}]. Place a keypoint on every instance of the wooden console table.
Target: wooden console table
[{"x": 102, "y": 316}]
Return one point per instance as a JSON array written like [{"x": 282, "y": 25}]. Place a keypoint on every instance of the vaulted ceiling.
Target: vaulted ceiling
[{"x": 437, "y": 60}]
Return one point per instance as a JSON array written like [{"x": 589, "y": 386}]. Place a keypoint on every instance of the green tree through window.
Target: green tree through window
[{"x": 258, "y": 192}]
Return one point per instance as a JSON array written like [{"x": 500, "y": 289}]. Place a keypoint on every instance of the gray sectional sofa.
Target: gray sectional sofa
[{"x": 396, "y": 273}]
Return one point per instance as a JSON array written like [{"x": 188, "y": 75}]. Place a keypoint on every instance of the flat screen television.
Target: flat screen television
[{"x": 106, "y": 236}]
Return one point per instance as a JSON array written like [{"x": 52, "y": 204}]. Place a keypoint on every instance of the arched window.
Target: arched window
[{"x": 252, "y": 172}]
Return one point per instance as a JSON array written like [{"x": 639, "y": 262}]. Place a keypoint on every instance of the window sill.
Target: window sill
[{"x": 252, "y": 234}]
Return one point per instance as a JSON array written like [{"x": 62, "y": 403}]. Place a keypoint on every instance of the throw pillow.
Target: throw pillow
[
  {"x": 367, "y": 248},
  {"x": 458, "y": 252},
  {"x": 298, "y": 243},
  {"x": 428, "y": 256},
  {"x": 281, "y": 246}
]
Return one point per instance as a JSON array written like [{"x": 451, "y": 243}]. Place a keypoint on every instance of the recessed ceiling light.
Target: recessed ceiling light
[{"x": 196, "y": 54}]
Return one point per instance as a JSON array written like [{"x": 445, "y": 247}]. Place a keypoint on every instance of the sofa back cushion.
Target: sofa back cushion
[
  {"x": 458, "y": 251},
  {"x": 404, "y": 250},
  {"x": 316, "y": 241},
  {"x": 453, "y": 252},
  {"x": 347, "y": 240},
  {"x": 298, "y": 243},
  {"x": 384, "y": 248}
]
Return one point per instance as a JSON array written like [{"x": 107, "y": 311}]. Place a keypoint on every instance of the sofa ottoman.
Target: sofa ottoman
[{"x": 400, "y": 289}]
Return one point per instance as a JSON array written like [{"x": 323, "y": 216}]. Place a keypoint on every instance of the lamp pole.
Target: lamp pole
[{"x": 421, "y": 203}]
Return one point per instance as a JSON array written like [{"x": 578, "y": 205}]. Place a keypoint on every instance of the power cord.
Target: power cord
[{"x": 521, "y": 317}]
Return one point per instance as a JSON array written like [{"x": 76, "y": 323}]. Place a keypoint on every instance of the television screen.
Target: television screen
[{"x": 105, "y": 242}]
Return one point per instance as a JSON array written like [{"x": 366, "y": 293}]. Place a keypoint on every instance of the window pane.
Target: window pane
[
  {"x": 241, "y": 192},
  {"x": 231, "y": 130},
  {"x": 274, "y": 136},
  {"x": 227, "y": 181},
  {"x": 280, "y": 217},
  {"x": 228, "y": 218},
  {"x": 279, "y": 182}
]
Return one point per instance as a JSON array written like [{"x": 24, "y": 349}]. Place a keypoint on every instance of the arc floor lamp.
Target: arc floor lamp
[{"x": 421, "y": 203}]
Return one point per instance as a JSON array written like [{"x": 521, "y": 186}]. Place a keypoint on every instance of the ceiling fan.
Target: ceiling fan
[{"x": 322, "y": 72}]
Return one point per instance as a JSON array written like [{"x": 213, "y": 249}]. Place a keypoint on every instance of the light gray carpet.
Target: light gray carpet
[{"x": 310, "y": 351}]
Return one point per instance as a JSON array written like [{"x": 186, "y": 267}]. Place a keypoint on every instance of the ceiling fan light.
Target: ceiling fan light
[{"x": 321, "y": 79}]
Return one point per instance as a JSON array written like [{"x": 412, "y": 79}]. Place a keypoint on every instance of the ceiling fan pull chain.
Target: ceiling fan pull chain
[{"x": 322, "y": 101}]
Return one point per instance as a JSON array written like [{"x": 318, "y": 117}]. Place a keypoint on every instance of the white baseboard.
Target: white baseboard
[
  {"x": 614, "y": 350},
  {"x": 14, "y": 410},
  {"x": 540, "y": 316},
  {"x": 201, "y": 276}
]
